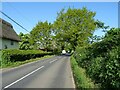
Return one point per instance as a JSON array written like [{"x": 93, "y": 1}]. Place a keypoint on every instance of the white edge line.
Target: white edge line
[
  {"x": 23, "y": 77},
  {"x": 52, "y": 61},
  {"x": 74, "y": 86}
]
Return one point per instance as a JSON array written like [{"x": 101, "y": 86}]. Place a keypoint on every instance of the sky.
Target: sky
[{"x": 28, "y": 14}]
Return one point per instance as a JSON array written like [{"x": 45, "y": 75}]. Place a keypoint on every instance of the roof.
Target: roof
[{"x": 7, "y": 31}]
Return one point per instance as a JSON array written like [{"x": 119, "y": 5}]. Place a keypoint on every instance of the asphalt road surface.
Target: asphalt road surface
[{"x": 54, "y": 72}]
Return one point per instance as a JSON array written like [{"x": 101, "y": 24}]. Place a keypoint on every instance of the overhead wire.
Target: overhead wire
[{"x": 14, "y": 21}]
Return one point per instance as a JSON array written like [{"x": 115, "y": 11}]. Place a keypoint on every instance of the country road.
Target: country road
[{"x": 54, "y": 72}]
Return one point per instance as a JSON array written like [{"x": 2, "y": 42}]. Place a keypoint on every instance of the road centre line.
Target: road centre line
[
  {"x": 52, "y": 61},
  {"x": 23, "y": 77}
]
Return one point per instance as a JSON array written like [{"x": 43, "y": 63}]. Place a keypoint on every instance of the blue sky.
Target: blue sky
[{"x": 28, "y": 13}]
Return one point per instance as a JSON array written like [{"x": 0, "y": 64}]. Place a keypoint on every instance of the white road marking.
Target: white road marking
[
  {"x": 52, "y": 61},
  {"x": 24, "y": 77}
]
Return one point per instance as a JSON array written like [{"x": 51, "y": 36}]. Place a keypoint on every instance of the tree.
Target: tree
[
  {"x": 25, "y": 44},
  {"x": 101, "y": 25},
  {"x": 41, "y": 35},
  {"x": 74, "y": 26},
  {"x": 95, "y": 38}
]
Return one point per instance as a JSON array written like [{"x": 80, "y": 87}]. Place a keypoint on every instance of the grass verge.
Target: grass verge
[
  {"x": 80, "y": 77},
  {"x": 18, "y": 63}
]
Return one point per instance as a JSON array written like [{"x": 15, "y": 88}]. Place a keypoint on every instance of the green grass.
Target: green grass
[
  {"x": 80, "y": 77},
  {"x": 0, "y": 58},
  {"x": 18, "y": 63}
]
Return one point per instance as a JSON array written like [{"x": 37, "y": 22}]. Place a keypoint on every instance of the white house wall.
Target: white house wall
[{"x": 6, "y": 42}]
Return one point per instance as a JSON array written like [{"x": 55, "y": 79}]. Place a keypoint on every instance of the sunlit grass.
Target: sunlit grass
[{"x": 80, "y": 77}]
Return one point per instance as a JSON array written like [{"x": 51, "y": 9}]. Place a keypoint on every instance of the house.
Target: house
[{"x": 8, "y": 37}]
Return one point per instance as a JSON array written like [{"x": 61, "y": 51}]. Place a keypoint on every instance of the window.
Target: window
[
  {"x": 5, "y": 46},
  {"x": 12, "y": 43}
]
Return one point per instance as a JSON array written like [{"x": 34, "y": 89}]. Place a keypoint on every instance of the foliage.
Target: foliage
[
  {"x": 101, "y": 59},
  {"x": 14, "y": 55},
  {"x": 41, "y": 35},
  {"x": 74, "y": 26},
  {"x": 0, "y": 57},
  {"x": 81, "y": 79},
  {"x": 18, "y": 63},
  {"x": 25, "y": 43},
  {"x": 101, "y": 25},
  {"x": 95, "y": 38}
]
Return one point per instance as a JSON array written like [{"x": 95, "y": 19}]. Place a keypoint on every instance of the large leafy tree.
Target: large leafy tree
[
  {"x": 100, "y": 26},
  {"x": 74, "y": 26},
  {"x": 41, "y": 35},
  {"x": 25, "y": 43}
]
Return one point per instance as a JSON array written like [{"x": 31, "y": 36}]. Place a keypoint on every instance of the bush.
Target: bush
[
  {"x": 0, "y": 57},
  {"x": 21, "y": 55},
  {"x": 102, "y": 60},
  {"x": 81, "y": 80}
]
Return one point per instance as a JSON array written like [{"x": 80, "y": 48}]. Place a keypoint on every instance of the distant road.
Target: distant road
[{"x": 54, "y": 72}]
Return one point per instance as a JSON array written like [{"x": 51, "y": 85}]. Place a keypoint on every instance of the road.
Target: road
[{"x": 54, "y": 72}]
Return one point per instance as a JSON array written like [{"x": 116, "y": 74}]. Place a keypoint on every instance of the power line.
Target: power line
[
  {"x": 18, "y": 12},
  {"x": 14, "y": 21}
]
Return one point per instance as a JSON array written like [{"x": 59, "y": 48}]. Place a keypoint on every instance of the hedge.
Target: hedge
[
  {"x": 0, "y": 58},
  {"x": 14, "y": 55},
  {"x": 80, "y": 77},
  {"x": 102, "y": 60}
]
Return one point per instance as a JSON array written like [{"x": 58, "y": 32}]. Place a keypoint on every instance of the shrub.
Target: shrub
[
  {"x": 21, "y": 55},
  {"x": 81, "y": 80},
  {"x": 0, "y": 57},
  {"x": 102, "y": 60}
]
